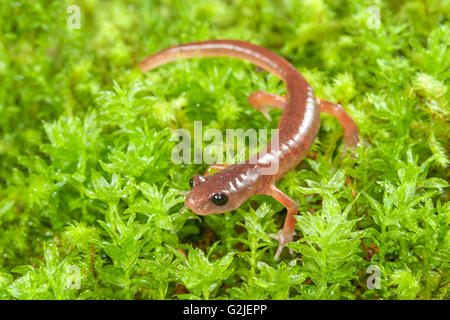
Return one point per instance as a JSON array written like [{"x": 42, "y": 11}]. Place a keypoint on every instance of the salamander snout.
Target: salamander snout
[{"x": 207, "y": 196}]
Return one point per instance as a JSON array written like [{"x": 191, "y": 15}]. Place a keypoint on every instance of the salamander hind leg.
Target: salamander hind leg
[
  {"x": 286, "y": 234},
  {"x": 260, "y": 100},
  {"x": 351, "y": 132}
]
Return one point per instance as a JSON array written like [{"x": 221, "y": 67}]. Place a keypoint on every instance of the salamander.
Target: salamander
[{"x": 228, "y": 188}]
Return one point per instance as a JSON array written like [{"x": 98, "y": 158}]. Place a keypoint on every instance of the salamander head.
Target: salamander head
[{"x": 212, "y": 195}]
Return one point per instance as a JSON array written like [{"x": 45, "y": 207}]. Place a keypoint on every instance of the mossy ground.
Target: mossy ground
[{"x": 87, "y": 186}]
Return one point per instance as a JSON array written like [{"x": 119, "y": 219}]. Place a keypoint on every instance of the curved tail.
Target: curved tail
[{"x": 257, "y": 55}]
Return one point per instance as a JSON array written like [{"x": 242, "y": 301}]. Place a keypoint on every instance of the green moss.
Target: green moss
[{"x": 90, "y": 199}]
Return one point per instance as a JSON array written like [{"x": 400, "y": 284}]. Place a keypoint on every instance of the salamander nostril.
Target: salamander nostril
[{"x": 189, "y": 203}]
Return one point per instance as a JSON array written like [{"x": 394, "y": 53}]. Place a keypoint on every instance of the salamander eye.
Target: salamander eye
[
  {"x": 197, "y": 179},
  {"x": 219, "y": 199}
]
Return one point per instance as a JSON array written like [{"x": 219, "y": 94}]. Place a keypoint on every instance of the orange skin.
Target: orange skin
[{"x": 229, "y": 188}]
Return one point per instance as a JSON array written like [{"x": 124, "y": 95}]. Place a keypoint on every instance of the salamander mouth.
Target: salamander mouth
[
  {"x": 193, "y": 206},
  {"x": 201, "y": 210}
]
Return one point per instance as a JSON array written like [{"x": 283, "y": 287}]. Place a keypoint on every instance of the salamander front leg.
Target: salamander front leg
[
  {"x": 351, "y": 132},
  {"x": 286, "y": 234},
  {"x": 260, "y": 99}
]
